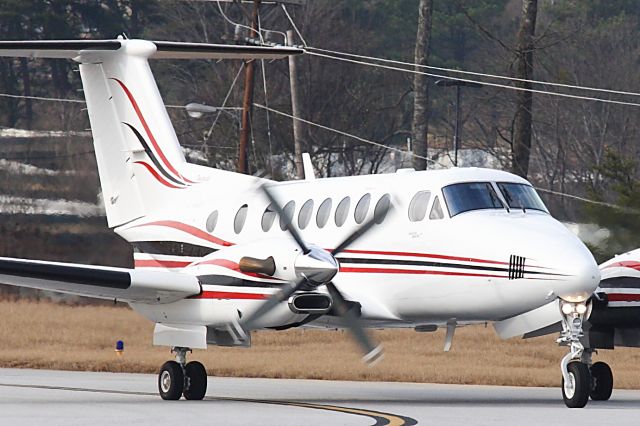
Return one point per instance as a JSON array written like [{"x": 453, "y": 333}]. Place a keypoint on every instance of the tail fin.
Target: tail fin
[{"x": 138, "y": 154}]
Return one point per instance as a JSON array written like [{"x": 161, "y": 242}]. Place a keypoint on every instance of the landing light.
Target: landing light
[
  {"x": 567, "y": 308},
  {"x": 581, "y": 308}
]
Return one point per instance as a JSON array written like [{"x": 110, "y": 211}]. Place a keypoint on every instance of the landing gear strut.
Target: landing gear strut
[
  {"x": 179, "y": 378},
  {"x": 576, "y": 377}
]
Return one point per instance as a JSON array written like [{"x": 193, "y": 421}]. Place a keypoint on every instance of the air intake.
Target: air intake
[
  {"x": 516, "y": 267},
  {"x": 310, "y": 303}
]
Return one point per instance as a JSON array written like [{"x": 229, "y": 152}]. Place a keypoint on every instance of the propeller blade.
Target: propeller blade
[
  {"x": 372, "y": 352},
  {"x": 272, "y": 302},
  {"x": 286, "y": 220},
  {"x": 361, "y": 231}
]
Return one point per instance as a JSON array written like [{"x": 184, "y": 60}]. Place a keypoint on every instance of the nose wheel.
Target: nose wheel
[
  {"x": 178, "y": 378},
  {"x": 576, "y": 377},
  {"x": 601, "y": 381}
]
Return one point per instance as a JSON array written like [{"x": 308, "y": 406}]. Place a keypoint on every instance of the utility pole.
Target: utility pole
[
  {"x": 295, "y": 108},
  {"x": 247, "y": 100}
]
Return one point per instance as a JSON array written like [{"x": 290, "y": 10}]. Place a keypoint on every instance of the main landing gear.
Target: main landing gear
[{"x": 179, "y": 378}]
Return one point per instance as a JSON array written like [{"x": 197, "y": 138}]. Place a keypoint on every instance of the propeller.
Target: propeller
[{"x": 314, "y": 277}]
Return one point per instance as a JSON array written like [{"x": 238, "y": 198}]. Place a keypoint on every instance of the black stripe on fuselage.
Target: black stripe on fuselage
[
  {"x": 151, "y": 156},
  {"x": 66, "y": 273},
  {"x": 172, "y": 248},
  {"x": 226, "y": 280},
  {"x": 620, "y": 282},
  {"x": 431, "y": 264}
]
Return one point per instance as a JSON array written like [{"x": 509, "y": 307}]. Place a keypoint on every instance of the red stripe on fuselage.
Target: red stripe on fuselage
[
  {"x": 230, "y": 295},
  {"x": 633, "y": 264},
  {"x": 146, "y": 127},
  {"x": 192, "y": 230},
  {"x": 417, "y": 272},
  {"x": 428, "y": 255},
  {"x": 153, "y": 263},
  {"x": 157, "y": 175},
  {"x": 622, "y": 297}
]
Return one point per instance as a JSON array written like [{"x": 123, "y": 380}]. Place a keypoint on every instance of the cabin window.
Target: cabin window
[
  {"x": 241, "y": 217},
  {"x": 288, "y": 211},
  {"x": 360, "y": 213},
  {"x": 304, "y": 216},
  {"x": 342, "y": 211},
  {"x": 212, "y": 221},
  {"x": 464, "y": 197},
  {"x": 268, "y": 217},
  {"x": 418, "y": 206},
  {"x": 436, "y": 210},
  {"x": 324, "y": 211},
  {"x": 521, "y": 196},
  {"x": 382, "y": 208}
]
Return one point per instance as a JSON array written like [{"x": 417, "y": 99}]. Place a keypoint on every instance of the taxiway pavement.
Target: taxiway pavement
[{"x": 45, "y": 397}]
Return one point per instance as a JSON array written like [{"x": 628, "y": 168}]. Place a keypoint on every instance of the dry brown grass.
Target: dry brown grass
[{"x": 48, "y": 335}]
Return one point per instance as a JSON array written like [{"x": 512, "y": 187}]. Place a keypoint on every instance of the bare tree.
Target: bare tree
[
  {"x": 524, "y": 102},
  {"x": 420, "y": 124}
]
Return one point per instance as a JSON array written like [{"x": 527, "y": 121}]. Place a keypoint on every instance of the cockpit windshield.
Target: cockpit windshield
[
  {"x": 463, "y": 197},
  {"x": 521, "y": 196}
]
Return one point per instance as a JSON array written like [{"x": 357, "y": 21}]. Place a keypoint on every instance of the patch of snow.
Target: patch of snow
[
  {"x": 23, "y": 133},
  {"x": 20, "y": 205},
  {"x": 28, "y": 169}
]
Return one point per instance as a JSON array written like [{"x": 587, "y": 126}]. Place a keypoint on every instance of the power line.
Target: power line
[
  {"x": 478, "y": 74},
  {"x": 588, "y": 200},
  {"x": 503, "y": 86}
]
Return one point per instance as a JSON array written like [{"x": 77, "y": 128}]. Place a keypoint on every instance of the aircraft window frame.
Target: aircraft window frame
[
  {"x": 383, "y": 203},
  {"x": 342, "y": 211},
  {"x": 324, "y": 213},
  {"x": 448, "y": 198},
  {"x": 212, "y": 221},
  {"x": 536, "y": 198},
  {"x": 268, "y": 218},
  {"x": 362, "y": 208},
  {"x": 288, "y": 211},
  {"x": 305, "y": 213},
  {"x": 436, "y": 212},
  {"x": 417, "y": 212},
  {"x": 240, "y": 218}
]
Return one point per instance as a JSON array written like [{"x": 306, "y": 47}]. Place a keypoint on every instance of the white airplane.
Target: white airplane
[{"x": 215, "y": 257}]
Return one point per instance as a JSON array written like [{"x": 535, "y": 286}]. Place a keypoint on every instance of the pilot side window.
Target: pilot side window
[
  {"x": 324, "y": 211},
  {"x": 342, "y": 211},
  {"x": 268, "y": 217},
  {"x": 436, "y": 210},
  {"x": 382, "y": 208},
  {"x": 288, "y": 210},
  {"x": 418, "y": 206},
  {"x": 362, "y": 208},
  {"x": 304, "y": 216},
  {"x": 241, "y": 217}
]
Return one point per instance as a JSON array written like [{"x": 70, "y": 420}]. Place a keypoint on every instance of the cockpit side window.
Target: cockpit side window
[
  {"x": 521, "y": 196},
  {"x": 464, "y": 197},
  {"x": 436, "y": 210}
]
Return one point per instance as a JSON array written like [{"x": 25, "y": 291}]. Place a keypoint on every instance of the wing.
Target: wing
[{"x": 126, "y": 285}]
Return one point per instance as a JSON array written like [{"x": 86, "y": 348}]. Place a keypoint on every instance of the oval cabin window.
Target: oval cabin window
[
  {"x": 362, "y": 208},
  {"x": 382, "y": 208},
  {"x": 418, "y": 206},
  {"x": 342, "y": 211},
  {"x": 324, "y": 211},
  {"x": 288, "y": 210},
  {"x": 212, "y": 221},
  {"x": 241, "y": 217},
  {"x": 305, "y": 214}
]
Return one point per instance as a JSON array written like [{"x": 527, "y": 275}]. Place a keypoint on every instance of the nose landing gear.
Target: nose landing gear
[
  {"x": 177, "y": 378},
  {"x": 576, "y": 377}
]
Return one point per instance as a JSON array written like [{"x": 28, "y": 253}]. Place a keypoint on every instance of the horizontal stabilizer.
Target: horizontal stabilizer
[
  {"x": 127, "y": 285},
  {"x": 73, "y": 49}
]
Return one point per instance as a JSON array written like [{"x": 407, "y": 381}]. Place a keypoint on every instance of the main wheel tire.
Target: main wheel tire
[
  {"x": 601, "y": 381},
  {"x": 171, "y": 381},
  {"x": 576, "y": 392},
  {"x": 197, "y": 381}
]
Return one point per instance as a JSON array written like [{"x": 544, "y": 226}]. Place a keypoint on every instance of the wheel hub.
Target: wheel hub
[
  {"x": 570, "y": 386},
  {"x": 165, "y": 381}
]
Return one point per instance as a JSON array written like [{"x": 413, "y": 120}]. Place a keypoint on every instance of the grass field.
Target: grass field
[{"x": 55, "y": 336}]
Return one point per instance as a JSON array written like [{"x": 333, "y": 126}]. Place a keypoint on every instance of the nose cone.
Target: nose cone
[{"x": 581, "y": 277}]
